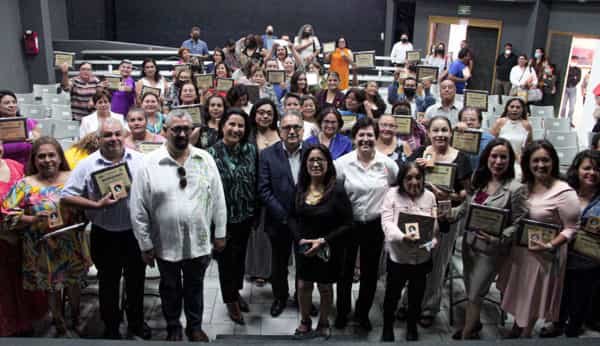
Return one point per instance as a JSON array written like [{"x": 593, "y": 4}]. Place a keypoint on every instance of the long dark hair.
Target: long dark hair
[
  {"x": 294, "y": 83},
  {"x": 157, "y": 75},
  {"x": 573, "y": 171},
  {"x": 231, "y": 112},
  {"x": 261, "y": 102},
  {"x": 532, "y": 147},
  {"x": 523, "y": 106},
  {"x": 35, "y": 147},
  {"x": 195, "y": 90},
  {"x": 403, "y": 170},
  {"x": 482, "y": 174},
  {"x": 304, "y": 177},
  {"x": 360, "y": 96},
  {"x": 206, "y": 114},
  {"x": 236, "y": 93}
]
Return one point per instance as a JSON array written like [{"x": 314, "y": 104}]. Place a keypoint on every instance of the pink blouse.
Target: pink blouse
[{"x": 558, "y": 205}]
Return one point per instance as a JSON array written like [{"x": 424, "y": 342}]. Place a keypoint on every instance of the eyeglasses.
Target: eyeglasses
[
  {"x": 288, "y": 128},
  {"x": 182, "y": 177},
  {"x": 178, "y": 129}
]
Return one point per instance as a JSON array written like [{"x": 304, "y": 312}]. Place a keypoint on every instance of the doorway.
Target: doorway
[
  {"x": 571, "y": 53},
  {"x": 483, "y": 37}
]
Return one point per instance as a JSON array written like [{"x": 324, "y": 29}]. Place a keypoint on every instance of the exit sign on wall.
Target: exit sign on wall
[{"x": 464, "y": 10}]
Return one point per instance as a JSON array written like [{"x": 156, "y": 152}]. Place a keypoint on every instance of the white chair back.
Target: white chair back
[
  {"x": 65, "y": 129},
  {"x": 40, "y": 89},
  {"x": 46, "y": 127},
  {"x": 62, "y": 112},
  {"x": 542, "y": 111},
  {"x": 537, "y": 123},
  {"x": 34, "y": 111},
  {"x": 566, "y": 155},
  {"x": 537, "y": 134},
  {"x": 25, "y": 98},
  {"x": 562, "y": 139},
  {"x": 49, "y": 99},
  {"x": 557, "y": 124}
]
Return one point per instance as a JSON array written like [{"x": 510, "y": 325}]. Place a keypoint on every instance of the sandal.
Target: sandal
[
  {"x": 307, "y": 332},
  {"x": 324, "y": 330}
]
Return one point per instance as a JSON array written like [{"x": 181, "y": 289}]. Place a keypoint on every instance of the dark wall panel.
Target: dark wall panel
[
  {"x": 87, "y": 19},
  {"x": 514, "y": 17},
  {"x": 13, "y": 68},
  {"x": 577, "y": 18},
  {"x": 168, "y": 22}
]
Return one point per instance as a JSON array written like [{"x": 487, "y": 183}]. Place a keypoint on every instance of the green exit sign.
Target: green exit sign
[{"x": 464, "y": 10}]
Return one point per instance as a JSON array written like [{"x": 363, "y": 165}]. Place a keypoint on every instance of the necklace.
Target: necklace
[{"x": 313, "y": 196}]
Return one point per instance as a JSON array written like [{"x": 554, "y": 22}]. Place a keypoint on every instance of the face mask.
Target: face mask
[
  {"x": 404, "y": 40},
  {"x": 547, "y": 71},
  {"x": 508, "y": 52},
  {"x": 439, "y": 51},
  {"x": 409, "y": 92},
  {"x": 270, "y": 33},
  {"x": 538, "y": 55},
  {"x": 306, "y": 33}
]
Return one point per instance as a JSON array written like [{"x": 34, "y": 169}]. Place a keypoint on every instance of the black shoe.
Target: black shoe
[
  {"x": 277, "y": 307},
  {"x": 313, "y": 310},
  {"x": 552, "y": 331},
  {"x": 388, "y": 334},
  {"x": 364, "y": 323},
  {"x": 243, "y": 305},
  {"x": 412, "y": 334},
  {"x": 143, "y": 332},
  {"x": 401, "y": 313},
  {"x": 341, "y": 321},
  {"x": 112, "y": 334}
]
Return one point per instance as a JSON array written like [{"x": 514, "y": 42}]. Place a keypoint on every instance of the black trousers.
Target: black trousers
[
  {"x": 577, "y": 297},
  {"x": 397, "y": 275},
  {"x": 117, "y": 254},
  {"x": 369, "y": 237},
  {"x": 281, "y": 249},
  {"x": 232, "y": 260}
]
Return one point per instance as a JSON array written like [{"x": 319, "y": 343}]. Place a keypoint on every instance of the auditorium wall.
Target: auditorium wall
[
  {"x": 575, "y": 18},
  {"x": 13, "y": 67}
]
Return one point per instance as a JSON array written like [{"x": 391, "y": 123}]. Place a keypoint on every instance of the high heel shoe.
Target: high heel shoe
[{"x": 235, "y": 314}]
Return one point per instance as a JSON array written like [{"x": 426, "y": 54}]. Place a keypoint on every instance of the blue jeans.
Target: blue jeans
[
  {"x": 173, "y": 291},
  {"x": 570, "y": 97}
]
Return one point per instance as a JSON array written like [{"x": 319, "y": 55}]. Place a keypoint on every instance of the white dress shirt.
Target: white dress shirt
[
  {"x": 366, "y": 186},
  {"x": 176, "y": 222},
  {"x": 91, "y": 124},
  {"x": 398, "y": 54}
]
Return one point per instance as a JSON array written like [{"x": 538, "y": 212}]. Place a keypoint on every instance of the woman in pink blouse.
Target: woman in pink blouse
[
  {"x": 408, "y": 259},
  {"x": 531, "y": 281}
]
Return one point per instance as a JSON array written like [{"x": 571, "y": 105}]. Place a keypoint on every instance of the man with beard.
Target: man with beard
[
  {"x": 113, "y": 246},
  {"x": 195, "y": 44},
  {"x": 176, "y": 197}
]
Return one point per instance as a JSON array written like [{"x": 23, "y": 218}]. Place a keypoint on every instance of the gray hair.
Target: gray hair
[
  {"x": 136, "y": 110},
  {"x": 179, "y": 114},
  {"x": 107, "y": 121},
  {"x": 292, "y": 113}
]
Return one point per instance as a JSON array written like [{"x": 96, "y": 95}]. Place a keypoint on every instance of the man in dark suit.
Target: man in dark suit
[{"x": 279, "y": 165}]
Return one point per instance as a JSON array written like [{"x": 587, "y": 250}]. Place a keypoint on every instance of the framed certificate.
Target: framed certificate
[
  {"x": 146, "y": 147},
  {"x": 276, "y": 77},
  {"x": 587, "y": 245},
  {"x": 413, "y": 56},
  {"x": 182, "y": 67},
  {"x": 13, "y": 129},
  {"x": 467, "y": 141},
  {"x": 592, "y": 225},
  {"x": 349, "y": 121},
  {"x": 328, "y": 47},
  {"x": 476, "y": 99},
  {"x": 364, "y": 59},
  {"x": 403, "y": 124},
  {"x": 312, "y": 78},
  {"x": 148, "y": 89},
  {"x": 114, "y": 82},
  {"x": 63, "y": 57},
  {"x": 253, "y": 93},
  {"x": 487, "y": 219},
  {"x": 421, "y": 225},
  {"x": 204, "y": 81},
  {"x": 195, "y": 111},
  {"x": 115, "y": 179},
  {"x": 534, "y": 230},
  {"x": 224, "y": 84},
  {"x": 441, "y": 175},
  {"x": 427, "y": 73}
]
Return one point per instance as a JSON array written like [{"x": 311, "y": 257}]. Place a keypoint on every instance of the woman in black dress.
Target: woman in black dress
[{"x": 320, "y": 216}]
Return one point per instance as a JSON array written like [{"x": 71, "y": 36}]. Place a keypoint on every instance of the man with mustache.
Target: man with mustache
[
  {"x": 176, "y": 197},
  {"x": 279, "y": 166}
]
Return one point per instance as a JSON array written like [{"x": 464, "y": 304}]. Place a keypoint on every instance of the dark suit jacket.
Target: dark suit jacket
[{"x": 276, "y": 187}]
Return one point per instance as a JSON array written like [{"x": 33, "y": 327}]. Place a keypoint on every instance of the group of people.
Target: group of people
[{"x": 322, "y": 173}]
